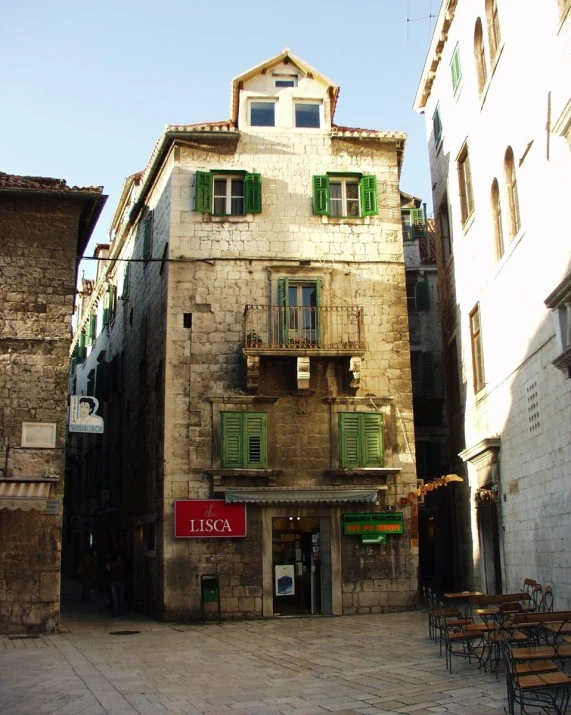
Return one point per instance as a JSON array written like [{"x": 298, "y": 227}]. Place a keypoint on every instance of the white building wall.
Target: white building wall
[{"x": 529, "y": 86}]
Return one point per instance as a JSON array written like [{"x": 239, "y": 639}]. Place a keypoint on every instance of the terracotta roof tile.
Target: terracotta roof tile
[{"x": 42, "y": 183}]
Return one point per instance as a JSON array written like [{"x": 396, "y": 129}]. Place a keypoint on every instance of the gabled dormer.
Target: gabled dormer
[{"x": 284, "y": 93}]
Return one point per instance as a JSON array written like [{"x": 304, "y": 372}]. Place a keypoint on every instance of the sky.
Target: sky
[{"x": 87, "y": 87}]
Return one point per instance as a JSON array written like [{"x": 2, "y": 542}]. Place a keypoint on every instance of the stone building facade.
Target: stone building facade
[
  {"x": 247, "y": 340},
  {"x": 499, "y": 152},
  {"x": 44, "y": 226}
]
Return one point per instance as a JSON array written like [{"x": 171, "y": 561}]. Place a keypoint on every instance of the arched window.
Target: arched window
[
  {"x": 511, "y": 190},
  {"x": 497, "y": 219},
  {"x": 480, "y": 56},
  {"x": 494, "y": 35}
]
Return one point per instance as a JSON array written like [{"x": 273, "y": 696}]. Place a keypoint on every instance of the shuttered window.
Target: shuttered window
[
  {"x": 456, "y": 69},
  {"x": 230, "y": 193},
  {"x": 244, "y": 440},
  {"x": 148, "y": 235},
  {"x": 361, "y": 442},
  {"x": 109, "y": 304},
  {"x": 350, "y": 196},
  {"x": 91, "y": 332}
]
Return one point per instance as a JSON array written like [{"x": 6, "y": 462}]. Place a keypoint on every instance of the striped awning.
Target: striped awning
[
  {"x": 24, "y": 495},
  {"x": 299, "y": 496}
]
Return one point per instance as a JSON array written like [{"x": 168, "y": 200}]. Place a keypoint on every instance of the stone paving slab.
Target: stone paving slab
[{"x": 355, "y": 665}]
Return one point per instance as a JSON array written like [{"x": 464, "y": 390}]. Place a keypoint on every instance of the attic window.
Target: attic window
[
  {"x": 263, "y": 114},
  {"x": 285, "y": 80},
  {"x": 308, "y": 116}
]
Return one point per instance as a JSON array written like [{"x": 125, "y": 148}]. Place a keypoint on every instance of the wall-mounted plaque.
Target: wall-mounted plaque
[{"x": 39, "y": 435}]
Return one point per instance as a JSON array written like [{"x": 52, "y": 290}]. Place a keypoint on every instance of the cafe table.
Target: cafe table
[{"x": 463, "y": 594}]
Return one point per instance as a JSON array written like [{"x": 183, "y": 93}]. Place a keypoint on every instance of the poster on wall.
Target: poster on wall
[
  {"x": 285, "y": 580},
  {"x": 83, "y": 415}
]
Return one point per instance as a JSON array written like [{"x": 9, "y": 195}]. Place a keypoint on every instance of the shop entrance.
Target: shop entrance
[{"x": 301, "y": 565}]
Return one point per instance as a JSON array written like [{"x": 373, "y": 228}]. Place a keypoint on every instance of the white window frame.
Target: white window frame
[
  {"x": 302, "y": 100},
  {"x": 285, "y": 78},
  {"x": 228, "y": 196},
  {"x": 263, "y": 100},
  {"x": 343, "y": 181}
]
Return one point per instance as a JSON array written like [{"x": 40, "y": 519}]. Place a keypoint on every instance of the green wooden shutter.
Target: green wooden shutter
[
  {"x": 112, "y": 301},
  {"x": 417, "y": 222},
  {"x": 81, "y": 347},
  {"x": 283, "y": 303},
  {"x": 369, "y": 196},
  {"x": 126, "y": 281},
  {"x": 427, "y": 374},
  {"x": 231, "y": 440},
  {"x": 349, "y": 442},
  {"x": 148, "y": 235},
  {"x": 422, "y": 293},
  {"x": 372, "y": 440},
  {"x": 321, "y": 195},
  {"x": 253, "y": 193},
  {"x": 318, "y": 311},
  {"x": 455, "y": 68},
  {"x": 91, "y": 329},
  {"x": 254, "y": 432},
  {"x": 204, "y": 192},
  {"x": 106, "y": 306},
  {"x": 437, "y": 125}
]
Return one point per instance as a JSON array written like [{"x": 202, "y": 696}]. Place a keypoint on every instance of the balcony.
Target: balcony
[{"x": 303, "y": 332}]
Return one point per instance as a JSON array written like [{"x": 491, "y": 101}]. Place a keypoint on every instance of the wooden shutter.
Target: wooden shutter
[
  {"x": 349, "y": 442},
  {"x": 204, "y": 191},
  {"x": 427, "y": 374},
  {"x": 372, "y": 440},
  {"x": 126, "y": 281},
  {"x": 369, "y": 196},
  {"x": 283, "y": 303},
  {"x": 253, "y": 193},
  {"x": 148, "y": 235},
  {"x": 254, "y": 431},
  {"x": 231, "y": 440},
  {"x": 112, "y": 301},
  {"x": 456, "y": 68},
  {"x": 91, "y": 329},
  {"x": 81, "y": 347},
  {"x": 321, "y": 195},
  {"x": 106, "y": 306},
  {"x": 422, "y": 293},
  {"x": 417, "y": 222}
]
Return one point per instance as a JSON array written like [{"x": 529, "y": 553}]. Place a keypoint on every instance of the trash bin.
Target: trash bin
[{"x": 209, "y": 593}]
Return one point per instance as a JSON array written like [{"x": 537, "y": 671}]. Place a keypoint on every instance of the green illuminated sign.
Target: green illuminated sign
[{"x": 373, "y": 524}]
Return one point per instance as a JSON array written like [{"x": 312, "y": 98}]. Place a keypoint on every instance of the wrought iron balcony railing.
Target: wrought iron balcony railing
[{"x": 296, "y": 328}]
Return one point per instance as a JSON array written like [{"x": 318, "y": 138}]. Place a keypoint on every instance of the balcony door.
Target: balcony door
[{"x": 299, "y": 315}]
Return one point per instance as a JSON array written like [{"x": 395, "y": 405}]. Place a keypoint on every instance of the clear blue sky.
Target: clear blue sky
[{"x": 87, "y": 87}]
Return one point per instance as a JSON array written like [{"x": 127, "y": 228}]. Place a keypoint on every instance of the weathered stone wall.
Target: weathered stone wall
[
  {"x": 37, "y": 270},
  {"x": 360, "y": 262}
]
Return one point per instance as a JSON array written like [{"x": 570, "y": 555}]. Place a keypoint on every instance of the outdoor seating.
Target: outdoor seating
[
  {"x": 459, "y": 641},
  {"x": 434, "y": 613},
  {"x": 547, "y": 602},
  {"x": 537, "y": 597},
  {"x": 547, "y": 628},
  {"x": 547, "y": 690},
  {"x": 528, "y": 585}
]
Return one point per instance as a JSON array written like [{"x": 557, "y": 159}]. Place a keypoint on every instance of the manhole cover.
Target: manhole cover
[{"x": 123, "y": 633}]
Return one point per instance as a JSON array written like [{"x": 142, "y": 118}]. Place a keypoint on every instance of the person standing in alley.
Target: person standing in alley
[
  {"x": 87, "y": 572},
  {"x": 117, "y": 568}
]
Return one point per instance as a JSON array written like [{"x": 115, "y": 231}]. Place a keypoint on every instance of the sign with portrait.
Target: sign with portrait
[{"x": 83, "y": 415}]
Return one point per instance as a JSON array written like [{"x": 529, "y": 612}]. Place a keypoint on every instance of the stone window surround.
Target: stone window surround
[{"x": 559, "y": 301}]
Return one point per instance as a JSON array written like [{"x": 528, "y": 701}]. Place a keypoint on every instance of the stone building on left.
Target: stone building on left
[{"x": 44, "y": 225}]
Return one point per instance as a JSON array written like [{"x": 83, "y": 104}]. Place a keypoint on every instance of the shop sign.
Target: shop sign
[
  {"x": 208, "y": 518},
  {"x": 373, "y": 524}
]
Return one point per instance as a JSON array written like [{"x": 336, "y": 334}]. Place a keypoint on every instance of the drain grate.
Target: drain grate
[
  {"x": 23, "y": 638},
  {"x": 123, "y": 633}
]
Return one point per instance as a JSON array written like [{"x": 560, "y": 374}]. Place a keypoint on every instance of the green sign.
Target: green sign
[{"x": 373, "y": 524}]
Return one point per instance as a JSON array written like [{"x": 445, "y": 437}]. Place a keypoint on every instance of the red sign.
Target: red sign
[{"x": 208, "y": 518}]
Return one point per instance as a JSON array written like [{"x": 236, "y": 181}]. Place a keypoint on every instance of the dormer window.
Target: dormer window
[
  {"x": 262, "y": 114},
  {"x": 308, "y": 115},
  {"x": 285, "y": 80}
]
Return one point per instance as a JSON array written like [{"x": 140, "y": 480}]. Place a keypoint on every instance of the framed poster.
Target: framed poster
[{"x": 285, "y": 580}]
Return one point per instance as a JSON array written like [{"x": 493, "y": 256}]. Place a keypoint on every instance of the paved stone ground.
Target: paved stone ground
[{"x": 371, "y": 665}]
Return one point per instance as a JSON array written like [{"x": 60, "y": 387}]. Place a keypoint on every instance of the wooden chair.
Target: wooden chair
[
  {"x": 547, "y": 690},
  {"x": 537, "y": 597},
  {"x": 528, "y": 585},
  {"x": 547, "y": 602},
  {"x": 458, "y": 641}
]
